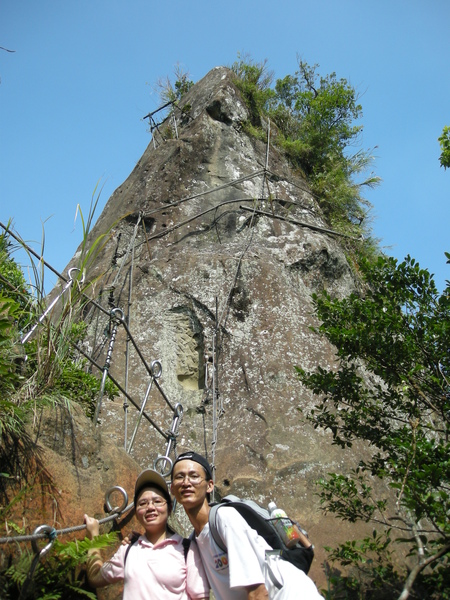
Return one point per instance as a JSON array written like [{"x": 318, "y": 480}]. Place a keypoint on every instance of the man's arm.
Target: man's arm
[{"x": 257, "y": 592}]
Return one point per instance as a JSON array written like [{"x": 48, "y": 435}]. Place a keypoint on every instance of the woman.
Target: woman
[{"x": 154, "y": 567}]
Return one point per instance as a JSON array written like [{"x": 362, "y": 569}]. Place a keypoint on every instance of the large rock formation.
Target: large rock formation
[{"x": 221, "y": 295}]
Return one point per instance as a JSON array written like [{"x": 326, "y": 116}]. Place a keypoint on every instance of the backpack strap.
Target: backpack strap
[
  {"x": 213, "y": 527},
  {"x": 216, "y": 537},
  {"x": 187, "y": 544},
  {"x": 134, "y": 538},
  {"x": 229, "y": 500}
]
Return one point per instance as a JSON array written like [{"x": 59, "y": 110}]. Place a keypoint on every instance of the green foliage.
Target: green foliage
[
  {"x": 444, "y": 141},
  {"x": 315, "y": 115},
  {"x": 12, "y": 280},
  {"x": 254, "y": 81},
  {"x": 90, "y": 248},
  {"x": 173, "y": 92},
  {"x": 74, "y": 381},
  {"x": 10, "y": 313},
  {"x": 58, "y": 576},
  {"x": 45, "y": 371},
  {"x": 315, "y": 127},
  {"x": 390, "y": 389},
  {"x": 372, "y": 574}
]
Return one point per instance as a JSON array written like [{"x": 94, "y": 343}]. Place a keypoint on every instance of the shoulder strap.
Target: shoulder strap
[
  {"x": 126, "y": 553},
  {"x": 187, "y": 544},
  {"x": 213, "y": 527},
  {"x": 134, "y": 538}
]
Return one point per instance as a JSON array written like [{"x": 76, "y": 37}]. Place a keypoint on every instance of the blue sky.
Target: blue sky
[{"x": 73, "y": 94}]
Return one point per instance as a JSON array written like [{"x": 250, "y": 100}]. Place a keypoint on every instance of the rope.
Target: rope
[
  {"x": 116, "y": 320},
  {"x": 35, "y": 254},
  {"x": 214, "y": 400},
  {"x": 206, "y": 192}
]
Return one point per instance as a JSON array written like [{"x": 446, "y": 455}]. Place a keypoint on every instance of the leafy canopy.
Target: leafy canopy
[
  {"x": 390, "y": 389},
  {"x": 315, "y": 115}
]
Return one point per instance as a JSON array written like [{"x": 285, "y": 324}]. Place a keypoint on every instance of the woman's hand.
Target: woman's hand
[
  {"x": 130, "y": 538},
  {"x": 92, "y": 527}
]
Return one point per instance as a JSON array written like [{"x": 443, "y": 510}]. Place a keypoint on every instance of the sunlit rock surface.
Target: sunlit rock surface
[{"x": 208, "y": 282}]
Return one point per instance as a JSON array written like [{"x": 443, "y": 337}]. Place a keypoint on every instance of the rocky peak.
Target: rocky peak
[{"x": 215, "y": 246}]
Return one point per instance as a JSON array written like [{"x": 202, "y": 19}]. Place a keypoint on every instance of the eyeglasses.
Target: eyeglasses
[
  {"x": 193, "y": 478},
  {"x": 157, "y": 503}
]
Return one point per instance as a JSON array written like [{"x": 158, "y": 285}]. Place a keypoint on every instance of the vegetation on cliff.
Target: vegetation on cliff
[
  {"x": 35, "y": 373},
  {"x": 314, "y": 118},
  {"x": 391, "y": 389}
]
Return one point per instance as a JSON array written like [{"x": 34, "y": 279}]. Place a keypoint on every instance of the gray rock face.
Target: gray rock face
[{"x": 222, "y": 294}]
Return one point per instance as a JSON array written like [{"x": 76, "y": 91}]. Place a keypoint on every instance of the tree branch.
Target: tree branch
[{"x": 418, "y": 568}]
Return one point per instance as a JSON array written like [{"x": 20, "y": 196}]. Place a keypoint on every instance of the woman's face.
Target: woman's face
[{"x": 152, "y": 511}]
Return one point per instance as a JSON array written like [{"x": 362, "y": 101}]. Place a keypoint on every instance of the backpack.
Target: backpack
[{"x": 259, "y": 519}]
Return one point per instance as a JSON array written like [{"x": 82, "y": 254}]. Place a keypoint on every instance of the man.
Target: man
[{"x": 239, "y": 573}]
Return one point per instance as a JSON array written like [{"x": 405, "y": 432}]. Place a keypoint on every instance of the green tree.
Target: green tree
[
  {"x": 444, "y": 141},
  {"x": 315, "y": 118},
  {"x": 316, "y": 115},
  {"x": 391, "y": 389}
]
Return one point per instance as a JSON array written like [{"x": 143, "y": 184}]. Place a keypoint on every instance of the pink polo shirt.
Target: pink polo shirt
[{"x": 158, "y": 571}]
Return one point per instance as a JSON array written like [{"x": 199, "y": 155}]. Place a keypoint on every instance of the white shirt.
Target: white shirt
[{"x": 244, "y": 565}]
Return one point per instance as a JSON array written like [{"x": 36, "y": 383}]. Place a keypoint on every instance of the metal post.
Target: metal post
[
  {"x": 171, "y": 441},
  {"x": 156, "y": 368}
]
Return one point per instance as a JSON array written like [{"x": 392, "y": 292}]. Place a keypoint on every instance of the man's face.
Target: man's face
[{"x": 189, "y": 483}]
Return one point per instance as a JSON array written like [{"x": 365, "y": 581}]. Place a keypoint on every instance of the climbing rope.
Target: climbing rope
[
  {"x": 38, "y": 555},
  {"x": 164, "y": 464},
  {"x": 301, "y": 223},
  {"x": 129, "y": 250},
  {"x": 218, "y": 409}
]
